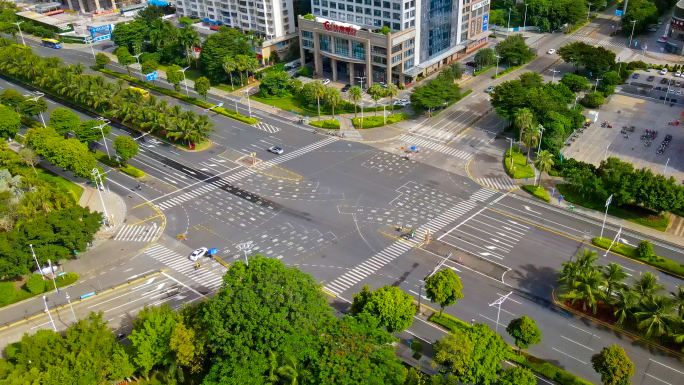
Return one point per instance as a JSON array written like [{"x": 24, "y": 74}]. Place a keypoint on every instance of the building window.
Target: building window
[
  {"x": 408, "y": 64},
  {"x": 386, "y": 23},
  {"x": 386, "y": 4},
  {"x": 369, "y": 11},
  {"x": 396, "y": 49},
  {"x": 342, "y": 47},
  {"x": 316, "y": 11},
  {"x": 333, "y": 4},
  {"x": 386, "y": 14},
  {"x": 407, "y": 15},
  {"x": 396, "y": 59},
  {"x": 333, "y": 14},
  {"x": 369, "y": 21},
  {"x": 406, "y": 5},
  {"x": 359, "y": 19},
  {"x": 396, "y": 16},
  {"x": 307, "y": 43},
  {"x": 464, "y": 18},
  {"x": 368, "y": 2},
  {"x": 377, "y": 3},
  {"x": 324, "y": 43},
  {"x": 379, "y": 60},
  {"x": 406, "y": 25},
  {"x": 358, "y": 50},
  {"x": 464, "y": 27},
  {"x": 409, "y": 43},
  {"x": 359, "y": 10},
  {"x": 464, "y": 36},
  {"x": 340, "y": 6},
  {"x": 316, "y": 2},
  {"x": 396, "y": 6},
  {"x": 307, "y": 35},
  {"x": 379, "y": 50},
  {"x": 396, "y": 26},
  {"x": 350, "y": 8},
  {"x": 377, "y": 12},
  {"x": 324, "y": 3},
  {"x": 377, "y": 22},
  {"x": 325, "y": 12},
  {"x": 408, "y": 53}
]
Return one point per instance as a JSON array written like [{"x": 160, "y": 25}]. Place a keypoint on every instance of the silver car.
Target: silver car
[{"x": 276, "y": 150}]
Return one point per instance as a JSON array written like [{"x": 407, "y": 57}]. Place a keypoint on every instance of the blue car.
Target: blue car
[{"x": 489, "y": 89}]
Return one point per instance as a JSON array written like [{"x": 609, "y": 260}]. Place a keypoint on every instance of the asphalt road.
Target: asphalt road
[{"x": 331, "y": 205}]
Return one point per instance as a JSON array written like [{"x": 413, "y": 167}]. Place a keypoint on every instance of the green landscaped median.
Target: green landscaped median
[
  {"x": 483, "y": 70},
  {"x": 632, "y": 253},
  {"x": 378, "y": 121},
  {"x": 632, "y": 213},
  {"x": 538, "y": 192},
  {"x": 519, "y": 169},
  {"x": 126, "y": 169},
  {"x": 530, "y": 362},
  {"x": 9, "y": 295}
]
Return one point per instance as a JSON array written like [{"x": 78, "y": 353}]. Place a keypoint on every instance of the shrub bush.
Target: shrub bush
[
  {"x": 377, "y": 121},
  {"x": 332, "y": 124},
  {"x": 538, "y": 192},
  {"x": 132, "y": 171},
  {"x": 645, "y": 249},
  {"x": 36, "y": 284},
  {"x": 62, "y": 281},
  {"x": 6, "y": 293},
  {"x": 449, "y": 322}
]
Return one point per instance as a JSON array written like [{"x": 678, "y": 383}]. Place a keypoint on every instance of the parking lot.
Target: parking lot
[
  {"x": 654, "y": 85},
  {"x": 597, "y": 143}
]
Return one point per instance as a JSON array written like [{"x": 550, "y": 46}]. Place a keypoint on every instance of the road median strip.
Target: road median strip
[{"x": 631, "y": 252}]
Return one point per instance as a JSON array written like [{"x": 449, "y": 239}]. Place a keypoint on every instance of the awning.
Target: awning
[
  {"x": 158, "y": 3},
  {"x": 207, "y": 20}
]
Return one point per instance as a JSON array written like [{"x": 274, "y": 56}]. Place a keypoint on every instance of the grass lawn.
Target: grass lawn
[
  {"x": 287, "y": 104},
  {"x": 522, "y": 170},
  {"x": 538, "y": 192},
  {"x": 59, "y": 181},
  {"x": 632, "y": 213}
]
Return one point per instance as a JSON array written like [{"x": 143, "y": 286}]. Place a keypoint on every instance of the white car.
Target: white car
[
  {"x": 197, "y": 254},
  {"x": 46, "y": 270},
  {"x": 662, "y": 39},
  {"x": 154, "y": 141},
  {"x": 326, "y": 81},
  {"x": 382, "y": 84},
  {"x": 663, "y": 71},
  {"x": 551, "y": 51},
  {"x": 678, "y": 74},
  {"x": 276, "y": 150}
]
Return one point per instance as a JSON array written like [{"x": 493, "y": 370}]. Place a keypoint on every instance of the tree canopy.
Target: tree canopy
[
  {"x": 524, "y": 331},
  {"x": 444, "y": 288},
  {"x": 125, "y": 148},
  {"x": 389, "y": 305},
  {"x": 613, "y": 365}
]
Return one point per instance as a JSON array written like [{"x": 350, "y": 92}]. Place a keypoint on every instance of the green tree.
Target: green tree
[
  {"x": 216, "y": 47},
  {"x": 523, "y": 120},
  {"x": 10, "y": 122},
  {"x": 384, "y": 30},
  {"x": 647, "y": 285},
  {"x": 11, "y": 98},
  {"x": 87, "y": 132},
  {"x": 318, "y": 91},
  {"x": 525, "y": 332},
  {"x": 444, "y": 288},
  {"x": 189, "y": 38},
  {"x": 36, "y": 284},
  {"x": 614, "y": 276},
  {"x": 391, "y": 91},
  {"x": 274, "y": 58},
  {"x": 332, "y": 98},
  {"x": 678, "y": 300},
  {"x": 376, "y": 92},
  {"x": 229, "y": 65},
  {"x": 575, "y": 83},
  {"x": 531, "y": 80},
  {"x": 613, "y": 365},
  {"x": 389, "y": 305},
  {"x": 485, "y": 57},
  {"x": 513, "y": 49},
  {"x": 64, "y": 120},
  {"x": 517, "y": 375},
  {"x": 274, "y": 83},
  {"x": 149, "y": 66},
  {"x": 175, "y": 76},
  {"x": 656, "y": 316},
  {"x": 124, "y": 57},
  {"x": 544, "y": 162},
  {"x": 354, "y": 95},
  {"x": 153, "y": 329},
  {"x": 127, "y": 35},
  {"x": 626, "y": 303},
  {"x": 32, "y": 108},
  {"x": 29, "y": 157},
  {"x": 101, "y": 60},
  {"x": 125, "y": 148},
  {"x": 645, "y": 249},
  {"x": 202, "y": 86},
  {"x": 453, "y": 352}
]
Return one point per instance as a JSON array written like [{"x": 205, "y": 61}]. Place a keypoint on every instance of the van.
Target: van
[{"x": 145, "y": 93}]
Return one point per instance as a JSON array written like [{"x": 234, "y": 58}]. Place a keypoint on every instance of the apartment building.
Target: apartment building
[{"x": 343, "y": 40}]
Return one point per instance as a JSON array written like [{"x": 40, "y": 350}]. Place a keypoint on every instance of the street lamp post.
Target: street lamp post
[
  {"x": 72, "y": 307},
  {"x": 185, "y": 81},
  {"x": 249, "y": 105},
  {"x": 246, "y": 247},
  {"x": 668, "y": 161},
  {"x": 48, "y": 313},
  {"x": 499, "y": 302},
  {"x": 610, "y": 199},
  {"x": 525, "y": 21},
  {"x": 101, "y": 128},
  {"x": 96, "y": 174},
  {"x": 508, "y": 29},
  {"x": 89, "y": 40},
  {"x": 361, "y": 80},
  {"x": 541, "y": 128},
  {"x": 35, "y": 99},
  {"x": 36, "y": 259},
  {"x": 589, "y": 11},
  {"x": 138, "y": 61},
  {"x": 20, "y": 33},
  {"x": 554, "y": 71},
  {"x": 52, "y": 272},
  {"x": 420, "y": 289},
  {"x": 605, "y": 155},
  {"x": 632, "y": 36},
  {"x": 497, "y": 64},
  {"x": 510, "y": 151},
  {"x": 597, "y": 80}
]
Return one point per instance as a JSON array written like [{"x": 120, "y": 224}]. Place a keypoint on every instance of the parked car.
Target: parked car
[
  {"x": 663, "y": 71},
  {"x": 678, "y": 74},
  {"x": 677, "y": 84},
  {"x": 649, "y": 68},
  {"x": 470, "y": 64},
  {"x": 46, "y": 270},
  {"x": 663, "y": 81},
  {"x": 650, "y": 78},
  {"x": 382, "y": 84},
  {"x": 276, "y": 150},
  {"x": 652, "y": 29},
  {"x": 662, "y": 39},
  {"x": 346, "y": 88},
  {"x": 658, "y": 88},
  {"x": 197, "y": 254},
  {"x": 326, "y": 81},
  {"x": 635, "y": 76},
  {"x": 551, "y": 51}
]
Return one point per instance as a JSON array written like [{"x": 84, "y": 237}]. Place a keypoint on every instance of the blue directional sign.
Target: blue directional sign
[
  {"x": 92, "y": 293},
  {"x": 152, "y": 76},
  {"x": 220, "y": 104},
  {"x": 485, "y": 22},
  {"x": 618, "y": 12}
]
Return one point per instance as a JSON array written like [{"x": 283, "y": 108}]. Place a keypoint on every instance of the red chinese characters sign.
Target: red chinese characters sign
[{"x": 339, "y": 29}]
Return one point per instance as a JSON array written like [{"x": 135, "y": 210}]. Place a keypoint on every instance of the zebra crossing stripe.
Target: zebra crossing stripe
[
  {"x": 499, "y": 183},
  {"x": 267, "y": 127},
  {"x": 435, "y": 146},
  {"x": 296, "y": 153},
  {"x": 184, "y": 266},
  {"x": 137, "y": 233}
]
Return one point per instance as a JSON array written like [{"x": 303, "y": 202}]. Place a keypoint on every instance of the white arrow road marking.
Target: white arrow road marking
[
  {"x": 160, "y": 286},
  {"x": 530, "y": 210},
  {"x": 149, "y": 281},
  {"x": 623, "y": 240}
]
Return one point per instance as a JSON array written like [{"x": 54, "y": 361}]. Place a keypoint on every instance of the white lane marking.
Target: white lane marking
[
  {"x": 569, "y": 356},
  {"x": 586, "y": 347}
]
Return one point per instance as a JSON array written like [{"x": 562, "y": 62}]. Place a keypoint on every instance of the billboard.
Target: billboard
[
  {"x": 103, "y": 32},
  {"x": 485, "y": 22}
]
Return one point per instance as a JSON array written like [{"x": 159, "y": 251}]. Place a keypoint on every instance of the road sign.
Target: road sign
[
  {"x": 152, "y": 76},
  {"x": 618, "y": 12},
  {"x": 92, "y": 293},
  {"x": 220, "y": 104}
]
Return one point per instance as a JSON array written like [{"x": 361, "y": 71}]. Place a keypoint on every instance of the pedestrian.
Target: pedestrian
[{"x": 632, "y": 148}]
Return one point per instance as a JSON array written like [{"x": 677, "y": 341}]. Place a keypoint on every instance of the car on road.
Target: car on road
[
  {"x": 663, "y": 80},
  {"x": 663, "y": 71},
  {"x": 382, "y": 84},
  {"x": 276, "y": 150},
  {"x": 470, "y": 64},
  {"x": 401, "y": 102},
  {"x": 489, "y": 89},
  {"x": 679, "y": 93},
  {"x": 551, "y": 51},
  {"x": 649, "y": 68},
  {"x": 120, "y": 336},
  {"x": 672, "y": 91},
  {"x": 635, "y": 76},
  {"x": 197, "y": 254},
  {"x": 652, "y": 29},
  {"x": 346, "y": 88},
  {"x": 650, "y": 78},
  {"x": 326, "y": 81}
]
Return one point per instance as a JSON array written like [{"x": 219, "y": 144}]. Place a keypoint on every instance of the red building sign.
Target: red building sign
[{"x": 339, "y": 29}]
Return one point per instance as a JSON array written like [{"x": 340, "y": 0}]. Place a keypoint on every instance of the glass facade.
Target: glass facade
[
  {"x": 358, "y": 50},
  {"x": 307, "y": 34},
  {"x": 341, "y": 47},
  {"x": 324, "y": 43}
]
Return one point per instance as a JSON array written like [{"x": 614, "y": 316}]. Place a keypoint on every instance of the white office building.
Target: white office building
[{"x": 343, "y": 39}]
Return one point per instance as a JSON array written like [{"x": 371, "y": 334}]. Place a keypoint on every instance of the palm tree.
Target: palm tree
[
  {"x": 292, "y": 371},
  {"x": 587, "y": 289},
  {"x": 376, "y": 93},
  {"x": 318, "y": 90},
  {"x": 188, "y": 37},
  {"x": 614, "y": 275},
  {"x": 332, "y": 98},
  {"x": 678, "y": 298},
  {"x": 543, "y": 163},
  {"x": 523, "y": 120},
  {"x": 29, "y": 157},
  {"x": 625, "y": 304},
  {"x": 657, "y": 315},
  {"x": 647, "y": 285},
  {"x": 241, "y": 65},
  {"x": 251, "y": 65},
  {"x": 580, "y": 265},
  {"x": 229, "y": 65},
  {"x": 273, "y": 363},
  {"x": 391, "y": 91},
  {"x": 530, "y": 137},
  {"x": 355, "y": 96},
  {"x": 78, "y": 68}
]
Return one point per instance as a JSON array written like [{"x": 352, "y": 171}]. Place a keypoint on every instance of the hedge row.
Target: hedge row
[
  {"x": 538, "y": 192},
  {"x": 220, "y": 110},
  {"x": 530, "y": 362},
  {"x": 36, "y": 285},
  {"x": 332, "y": 124},
  {"x": 127, "y": 169},
  {"x": 378, "y": 121},
  {"x": 632, "y": 252},
  {"x": 132, "y": 171}
]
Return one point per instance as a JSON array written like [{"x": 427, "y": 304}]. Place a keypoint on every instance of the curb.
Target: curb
[
  {"x": 625, "y": 332},
  {"x": 9, "y": 325}
]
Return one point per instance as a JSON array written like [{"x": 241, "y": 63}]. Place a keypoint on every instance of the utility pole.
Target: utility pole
[
  {"x": 89, "y": 40},
  {"x": 361, "y": 80},
  {"x": 589, "y": 11},
  {"x": 185, "y": 81},
  {"x": 246, "y": 247},
  {"x": 668, "y": 161},
  {"x": 499, "y": 302},
  {"x": 249, "y": 106},
  {"x": 48, "y": 313},
  {"x": 597, "y": 80},
  {"x": 617, "y": 236},
  {"x": 72, "y": 307},
  {"x": 633, "y": 25},
  {"x": 96, "y": 174},
  {"x": 554, "y": 71},
  {"x": 497, "y": 64},
  {"x": 510, "y": 151},
  {"x": 35, "y": 99},
  {"x": 138, "y": 61}
]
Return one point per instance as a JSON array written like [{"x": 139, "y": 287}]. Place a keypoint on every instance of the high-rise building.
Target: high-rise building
[
  {"x": 344, "y": 38},
  {"x": 272, "y": 20}
]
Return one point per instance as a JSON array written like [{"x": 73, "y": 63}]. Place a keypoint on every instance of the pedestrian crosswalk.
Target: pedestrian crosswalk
[
  {"x": 181, "y": 264},
  {"x": 412, "y": 141},
  {"x": 267, "y": 127},
  {"x": 596, "y": 42},
  {"x": 498, "y": 183},
  {"x": 290, "y": 155},
  {"x": 137, "y": 233},
  {"x": 387, "y": 255},
  {"x": 203, "y": 189},
  {"x": 434, "y": 133},
  {"x": 482, "y": 194}
]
